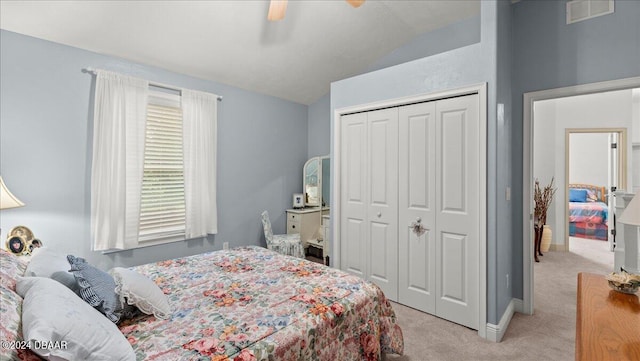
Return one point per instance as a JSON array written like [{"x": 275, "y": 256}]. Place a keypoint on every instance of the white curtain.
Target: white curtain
[
  {"x": 118, "y": 159},
  {"x": 200, "y": 119}
]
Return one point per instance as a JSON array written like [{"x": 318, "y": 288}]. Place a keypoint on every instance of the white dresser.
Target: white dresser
[{"x": 305, "y": 221}]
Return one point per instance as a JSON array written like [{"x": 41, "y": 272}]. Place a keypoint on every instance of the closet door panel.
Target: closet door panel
[
  {"x": 353, "y": 230},
  {"x": 454, "y": 269},
  {"x": 382, "y": 208},
  {"x": 353, "y": 257},
  {"x": 416, "y": 189},
  {"x": 457, "y": 204},
  {"x": 380, "y": 237},
  {"x": 454, "y": 159}
]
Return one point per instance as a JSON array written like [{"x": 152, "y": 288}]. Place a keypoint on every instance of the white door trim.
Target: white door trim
[
  {"x": 481, "y": 90},
  {"x": 527, "y": 167}
]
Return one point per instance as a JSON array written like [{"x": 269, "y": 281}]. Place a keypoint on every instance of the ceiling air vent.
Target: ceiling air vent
[{"x": 578, "y": 10}]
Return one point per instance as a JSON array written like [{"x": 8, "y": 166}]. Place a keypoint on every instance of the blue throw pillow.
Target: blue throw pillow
[
  {"x": 97, "y": 288},
  {"x": 577, "y": 195}
]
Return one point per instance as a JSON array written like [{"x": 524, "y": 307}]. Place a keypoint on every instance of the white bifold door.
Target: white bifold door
[
  {"x": 410, "y": 204},
  {"x": 370, "y": 198}
]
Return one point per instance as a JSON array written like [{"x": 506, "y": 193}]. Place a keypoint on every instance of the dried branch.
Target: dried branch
[{"x": 542, "y": 199}]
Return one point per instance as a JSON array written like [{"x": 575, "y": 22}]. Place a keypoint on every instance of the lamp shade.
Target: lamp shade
[
  {"x": 277, "y": 9},
  {"x": 631, "y": 214},
  {"x": 7, "y": 199}
]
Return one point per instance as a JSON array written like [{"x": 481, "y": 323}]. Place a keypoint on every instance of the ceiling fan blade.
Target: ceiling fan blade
[
  {"x": 277, "y": 9},
  {"x": 355, "y": 3}
]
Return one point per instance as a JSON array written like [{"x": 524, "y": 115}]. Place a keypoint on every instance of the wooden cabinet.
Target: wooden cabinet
[{"x": 607, "y": 322}]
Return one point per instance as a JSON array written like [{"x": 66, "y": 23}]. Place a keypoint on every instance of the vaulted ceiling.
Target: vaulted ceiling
[{"x": 233, "y": 43}]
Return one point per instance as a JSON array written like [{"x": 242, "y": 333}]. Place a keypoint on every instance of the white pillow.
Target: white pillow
[
  {"x": 45, "y": 262},
  {"x": 136, "y": 289},
  {"x": 52, "y": 315}
]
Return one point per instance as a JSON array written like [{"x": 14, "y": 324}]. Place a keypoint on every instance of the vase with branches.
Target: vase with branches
[{"x": 542, "y": 198}]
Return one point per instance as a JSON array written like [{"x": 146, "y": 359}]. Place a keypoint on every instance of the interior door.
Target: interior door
[
  {"x": 457, "y": 207},
  {"x": 417, "y": 206},
  {"x": 382, "y": 200}
]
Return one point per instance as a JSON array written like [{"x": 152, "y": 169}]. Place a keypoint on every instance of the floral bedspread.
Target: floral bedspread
[{"x": 254, "y": 304}]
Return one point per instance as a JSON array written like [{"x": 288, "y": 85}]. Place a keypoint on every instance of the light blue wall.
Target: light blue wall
[
  {"x": 460, "y": 34},
  {"x": 503, "y": 253},
  {"x": 549, "y": 54},
  {"x": 319, "y": 135},
  {"x": 46, "y": 140},
  {"x": 472, "y": 64}
]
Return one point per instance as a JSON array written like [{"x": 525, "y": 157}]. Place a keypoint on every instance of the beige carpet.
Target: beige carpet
[{"x": 548, "y": 334}]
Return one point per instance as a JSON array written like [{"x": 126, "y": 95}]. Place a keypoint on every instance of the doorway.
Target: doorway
[
  {"x": 530, "y": 101},
  {"x": 594, "y": 170}
]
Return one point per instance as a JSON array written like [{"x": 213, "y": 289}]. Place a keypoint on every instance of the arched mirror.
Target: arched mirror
[
  {"x": 325, "y": 181},
  {"x": 312, "y": 226},
  {"x": 311, "y": 182},
  {"x": 316, "y": 182}
]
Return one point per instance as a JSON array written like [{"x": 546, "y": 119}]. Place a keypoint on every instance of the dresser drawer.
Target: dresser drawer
[
  {"x": 293, "y": 217},
  {"x": 293, "y": 226}
]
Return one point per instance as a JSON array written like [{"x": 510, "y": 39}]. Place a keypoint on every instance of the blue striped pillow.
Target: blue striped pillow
[{"x": 97, "y": 288}]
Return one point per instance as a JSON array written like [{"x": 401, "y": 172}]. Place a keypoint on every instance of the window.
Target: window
[
  {"x": 162, "y": 201},
  {"x": 153, "y": 176}
]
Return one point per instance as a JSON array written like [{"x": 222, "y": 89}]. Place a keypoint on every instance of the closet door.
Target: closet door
[
  {"x": 369, "y": 198},
  {"x": 457, "y": 207},
  {"x": 417, "y": 206},
  {"x": 353, "y": 203},
  {"x": 382, "y": 199}
]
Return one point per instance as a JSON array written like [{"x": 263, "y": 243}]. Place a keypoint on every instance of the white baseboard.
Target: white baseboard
[
  {"x": 496, "y": 332},
  {"x": 557, "y": 247},
  {"x": 518, "y": 305}
]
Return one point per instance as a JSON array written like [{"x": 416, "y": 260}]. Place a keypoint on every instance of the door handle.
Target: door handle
[{"x": 417, "y": 227}]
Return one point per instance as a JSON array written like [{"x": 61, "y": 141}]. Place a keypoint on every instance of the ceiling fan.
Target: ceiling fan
[{"x": 277, "y": 8}]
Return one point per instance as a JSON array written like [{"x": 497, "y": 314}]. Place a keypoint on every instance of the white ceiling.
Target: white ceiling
[{"x": 233, "y": 43}]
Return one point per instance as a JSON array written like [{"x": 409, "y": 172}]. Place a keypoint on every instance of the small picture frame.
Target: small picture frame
[
  {"x": 35, "y": 243},
  {"x": 298, "y": 200},
  {"x": 17, "y": 245}
]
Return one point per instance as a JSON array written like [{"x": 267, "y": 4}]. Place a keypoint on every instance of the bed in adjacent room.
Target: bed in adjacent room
[
  {"x": 588, "y": 211},
  {"x": 246, "y": 304}
]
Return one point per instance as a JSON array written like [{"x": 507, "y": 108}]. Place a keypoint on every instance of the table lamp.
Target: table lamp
[
  {"x": 7, "y": 199},
  {"x": 631, "y": 216}
]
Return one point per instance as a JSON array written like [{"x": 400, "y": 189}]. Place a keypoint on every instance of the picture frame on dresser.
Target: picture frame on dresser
[{"x": 298, "y": 200}]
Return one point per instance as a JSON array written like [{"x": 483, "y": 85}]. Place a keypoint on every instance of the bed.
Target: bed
[
  {"x": 251, "y": 303},
  {"x": 588, "y": 211}
]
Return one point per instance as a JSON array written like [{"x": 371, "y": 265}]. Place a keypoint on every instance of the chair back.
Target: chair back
[{"x": 266, "y": 225}]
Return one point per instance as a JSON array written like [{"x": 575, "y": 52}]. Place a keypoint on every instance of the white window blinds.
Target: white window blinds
[{"x": 162, "y": 206}]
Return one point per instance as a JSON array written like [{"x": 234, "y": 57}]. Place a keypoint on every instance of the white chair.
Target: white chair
[{"x": 289, "y": 244}]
